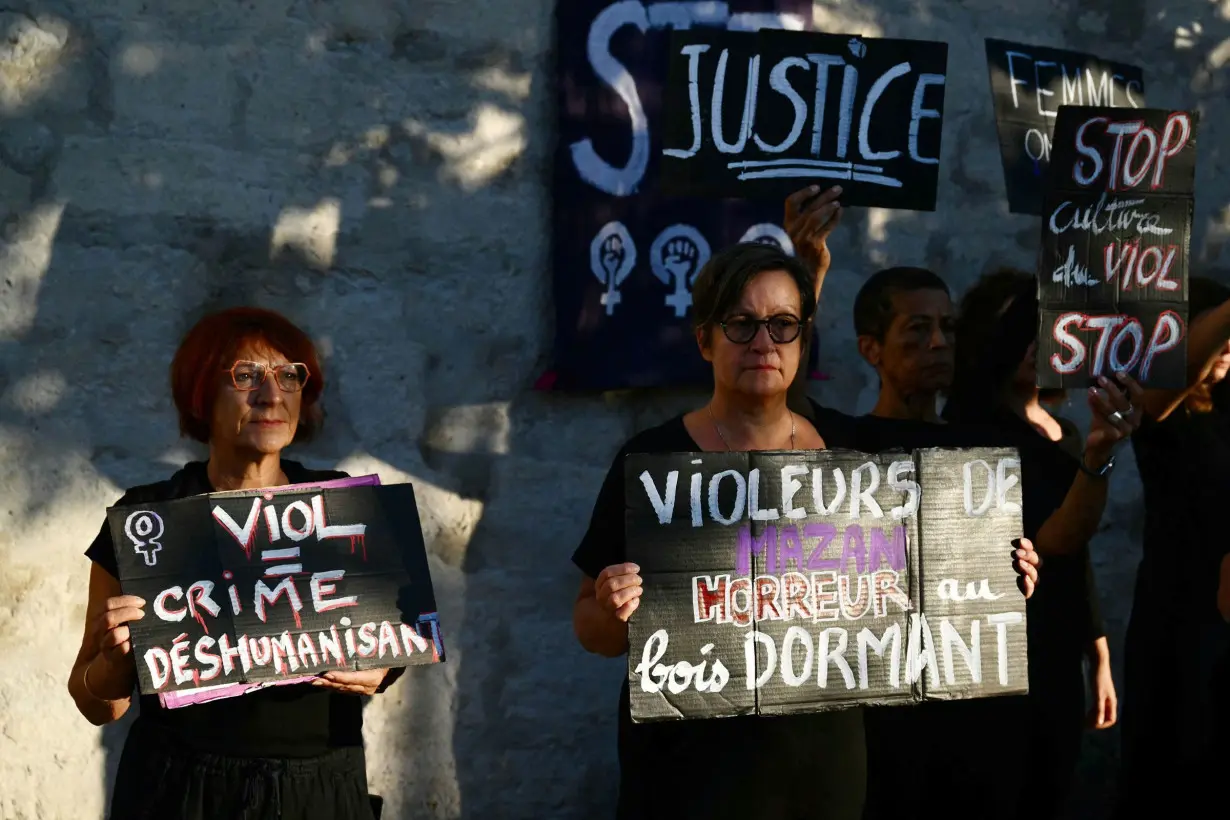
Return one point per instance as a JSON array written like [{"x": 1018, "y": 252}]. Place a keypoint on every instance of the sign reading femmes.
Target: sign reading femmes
[
  {"x": 761, "y": 114},
  {"x": 259, "y": 585},
  {"x": 1116, "y": 230},
  {"x": 779, "y": 583},
  {"x": 1028, "y": 85}
]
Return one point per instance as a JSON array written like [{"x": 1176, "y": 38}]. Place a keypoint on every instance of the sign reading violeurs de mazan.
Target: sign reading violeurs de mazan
[{"x": 788, "y": 582}]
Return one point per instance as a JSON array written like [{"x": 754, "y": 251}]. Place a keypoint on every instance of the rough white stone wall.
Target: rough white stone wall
[{"x": 378, "y": 170}]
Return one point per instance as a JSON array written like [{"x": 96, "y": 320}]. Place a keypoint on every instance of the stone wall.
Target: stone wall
[{"x": 379, "y": 171}]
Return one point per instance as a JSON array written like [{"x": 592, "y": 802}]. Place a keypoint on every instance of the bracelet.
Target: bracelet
[{"x": 85, "y": 681}]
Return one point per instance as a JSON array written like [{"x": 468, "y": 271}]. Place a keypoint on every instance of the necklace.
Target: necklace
[{"x": 718, "y": 430}]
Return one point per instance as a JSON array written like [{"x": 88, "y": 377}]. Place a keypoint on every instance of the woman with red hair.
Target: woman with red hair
[{"x": 247, "y": 382}]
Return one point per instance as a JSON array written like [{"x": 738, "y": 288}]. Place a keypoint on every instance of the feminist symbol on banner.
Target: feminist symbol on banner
[
  {"x": 676, "y": 256},
  {"x": 766, "y": 233},
  {"x": 612, "y": 256},
  {"x": 143, "y": 529}
]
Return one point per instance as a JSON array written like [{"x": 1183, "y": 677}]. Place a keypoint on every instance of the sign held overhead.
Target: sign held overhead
[{"x": 761, "y": 114}]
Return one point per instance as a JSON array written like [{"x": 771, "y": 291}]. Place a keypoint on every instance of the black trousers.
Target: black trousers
[{"x": 158, "y": 778}]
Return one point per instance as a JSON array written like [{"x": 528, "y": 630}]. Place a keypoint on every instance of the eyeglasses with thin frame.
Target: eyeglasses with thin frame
[
  {"x": 783, "y": 328},
  {"x": 290, "y": 378}
]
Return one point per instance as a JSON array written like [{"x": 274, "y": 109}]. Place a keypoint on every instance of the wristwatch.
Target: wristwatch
[{"x": 1101, "y": 472}]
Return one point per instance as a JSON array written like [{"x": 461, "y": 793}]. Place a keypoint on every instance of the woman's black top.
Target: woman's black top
[
  {"x": 295, "y": 721},
  {"x": 814, "y": 764},
  {"x": 1184, "y": 465},
  {"x": 1063, "y": 614}
]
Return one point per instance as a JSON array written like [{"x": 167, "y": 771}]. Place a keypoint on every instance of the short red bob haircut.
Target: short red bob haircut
[{"x": 209, "y": 348}]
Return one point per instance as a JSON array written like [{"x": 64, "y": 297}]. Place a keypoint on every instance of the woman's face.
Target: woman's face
[
  {"x": 261, "y": 420},
  {"x": 761, "y": 366}
]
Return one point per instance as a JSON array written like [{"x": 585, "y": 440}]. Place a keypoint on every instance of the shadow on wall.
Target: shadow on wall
[{"x": 398, "y": 209}]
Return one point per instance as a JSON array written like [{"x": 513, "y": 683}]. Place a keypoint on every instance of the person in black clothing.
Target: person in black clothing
[
  {"x": 752, "y": 303},
  {"x": 1063, "y": 496},
  {"x": 1175, "y": 633},
  {"x": 905, "y": 323},
  {"x": 247, "y": 382}
]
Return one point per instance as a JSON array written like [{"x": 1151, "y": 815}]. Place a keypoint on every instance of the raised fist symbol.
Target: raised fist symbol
[
  {"x": 676, "y": 256},
  {"x": 679, "y": 257},
  {"x": 857, "y": 47},
  {"x": 612, "y": 255}
]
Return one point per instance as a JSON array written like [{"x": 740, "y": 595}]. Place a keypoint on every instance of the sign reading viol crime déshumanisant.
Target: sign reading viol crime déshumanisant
[
  {"x": 259, "y": 586},
  {"x": 788, "y": 582},
  {"x": 1116, "y": 231}
]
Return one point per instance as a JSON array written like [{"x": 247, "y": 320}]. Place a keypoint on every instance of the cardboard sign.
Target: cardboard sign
[
  {"x": 625, "y": 254},
  {"x": 1116, "y": 229},
  {"x": 1028, "y": 84},
  {"x": 759, "y": 115},
  {"x": 267, "y": 585},
  {"x": 780, "y": 583}
]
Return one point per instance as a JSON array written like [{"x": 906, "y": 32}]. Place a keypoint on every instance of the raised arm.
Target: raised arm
[
  {"x": 103, "y": 675},
  {"x": 1206, "y": 336},
  {"x": 1116, "y": 413},
  {"x": 810, "y": 216}
]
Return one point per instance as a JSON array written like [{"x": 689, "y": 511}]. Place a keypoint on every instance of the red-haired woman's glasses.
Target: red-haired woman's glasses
[{"x": 251, "y": 375}]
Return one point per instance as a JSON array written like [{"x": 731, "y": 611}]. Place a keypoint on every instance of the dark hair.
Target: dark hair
[
  {"x": 873, "y": 306},
  {"x": 991, "y": 344},
  {"x": 721, "y": 282},
  {"x": 210, "y": 347}
]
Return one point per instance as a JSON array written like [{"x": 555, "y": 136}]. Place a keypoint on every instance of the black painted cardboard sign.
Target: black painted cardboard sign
[
  {"x": 762, "y": 114},
  {"x": 624, "y": 252},
  {"x": 263, "y": 585},
  {"x": 1028, "y": 85},
  {"x": 788, "y": 582},
  {"x": 1116, "y": 231}
]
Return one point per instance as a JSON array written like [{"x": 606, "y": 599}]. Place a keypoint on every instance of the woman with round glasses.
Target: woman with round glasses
[{"x": 247, "y": 382}]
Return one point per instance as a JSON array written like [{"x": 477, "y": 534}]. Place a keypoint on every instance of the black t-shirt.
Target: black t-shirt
[
  {"x": 771, "y": 768},
  {"x": 280, "y": 722},
  {"x": 1184, "y": 465}
]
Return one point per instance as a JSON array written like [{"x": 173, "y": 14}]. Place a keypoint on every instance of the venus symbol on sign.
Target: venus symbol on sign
[
  {"x": 677, "y": 255},
  {"x": 612, "y": 256},
  {"x": 143, "y": 529}
]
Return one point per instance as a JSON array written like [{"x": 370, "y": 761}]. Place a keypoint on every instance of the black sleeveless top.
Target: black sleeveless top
[{"x": 293, "y": 721}]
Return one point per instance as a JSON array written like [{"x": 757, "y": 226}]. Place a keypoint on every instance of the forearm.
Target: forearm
[
  {"x": 1076, "y": 521},
  {"x": 107, "y": 693},
  {"x": 1099, "y": 652},
  {"x": 599, "y": 631}
]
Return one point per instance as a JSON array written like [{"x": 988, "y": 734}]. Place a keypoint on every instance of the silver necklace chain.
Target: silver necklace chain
[{"x": 718, "y": 429}]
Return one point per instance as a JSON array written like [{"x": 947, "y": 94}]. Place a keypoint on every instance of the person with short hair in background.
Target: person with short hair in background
[{"x": 248, "y": 383}]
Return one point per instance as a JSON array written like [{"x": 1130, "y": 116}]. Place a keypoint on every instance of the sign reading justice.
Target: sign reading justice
[
  {"x": 789, "y": 582},
  {"x": 1116, "y": 229},
  {"x": 762, "y": 114},
  {"x": 265, "y": 585}
]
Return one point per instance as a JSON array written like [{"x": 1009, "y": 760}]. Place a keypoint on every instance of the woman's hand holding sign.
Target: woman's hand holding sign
[
  {"x": 1025, "y": 560},
  {"x": 811, "y": 215},
  {"x": 618, "y": 590},
  {"x": 1117, "y": 413},
  {"x": 366, "y": 682}
]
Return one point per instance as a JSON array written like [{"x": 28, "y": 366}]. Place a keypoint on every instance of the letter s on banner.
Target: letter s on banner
[{"x": 591, "y": 167}]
